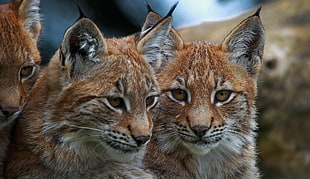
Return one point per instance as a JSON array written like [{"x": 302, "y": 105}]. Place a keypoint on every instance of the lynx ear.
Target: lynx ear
[
  {"x": 81, "y": 47},
  {"x": 245, "y": 44},
  {"x": 152, "y": 18},
  {"x": 28, "y": 11},
  {"x": 151, "y": 42},
  {"x": 167, "y": 44},
  {"x": 172, "y": 44}
]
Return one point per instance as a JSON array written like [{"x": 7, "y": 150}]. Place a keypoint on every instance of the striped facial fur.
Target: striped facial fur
[
  {"x": 107, "y": 112},
  {"x": 208, "y": 104},
  {"x": 204, "y": 125},
  {"x": 90, "y": 109}
]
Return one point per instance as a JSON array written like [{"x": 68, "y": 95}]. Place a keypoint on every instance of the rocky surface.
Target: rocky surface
[{"x": 284, "y": 86}]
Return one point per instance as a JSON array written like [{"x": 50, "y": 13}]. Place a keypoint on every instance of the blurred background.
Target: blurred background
[
  {"x": 284, "y": 85},
  {"x": 117, "y": 18}
]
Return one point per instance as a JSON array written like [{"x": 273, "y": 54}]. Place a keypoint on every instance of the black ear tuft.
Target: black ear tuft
[
  {"x": 172, "y": 9},
  {"x": 80, "y": 11},
  {"x": 148, "y": 6},
  {"x": 257, "y": 13}
]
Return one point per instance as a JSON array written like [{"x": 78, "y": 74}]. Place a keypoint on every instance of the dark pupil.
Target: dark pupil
[
  {"x": 26, "y": 71},
  {"x": 115, "y": 102},
  {"x": 150, "y": 100},
  {"x": 179, "y": 94},
  {"x": 222, "y": 95}
]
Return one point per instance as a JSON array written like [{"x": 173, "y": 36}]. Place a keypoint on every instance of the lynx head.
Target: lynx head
[
  {"x": 102, "y": 91},
  {"x": 209, "y": 92},
  {"x": 19, "y": 56}
]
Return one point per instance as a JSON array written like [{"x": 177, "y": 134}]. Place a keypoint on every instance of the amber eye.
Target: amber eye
[
  {"x": 116, "y": 102},
  {"x": 222, "y": 95},
  {"x": 26, "y": 71},
  {"x": 151, "y": 101},
  {"x": 179, "y": 94}
]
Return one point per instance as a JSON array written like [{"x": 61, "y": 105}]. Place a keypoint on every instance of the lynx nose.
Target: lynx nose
[
  {"x": 200, "y": 130},
  {"x": 142, "y": 140},
  {"x": 9, "y": 111}
]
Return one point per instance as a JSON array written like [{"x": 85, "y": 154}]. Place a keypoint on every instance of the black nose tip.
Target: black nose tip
[
  {"x": 142, "y": 139},
  {"x": 9, "y": 111},
  {"x": 200, "y": 130}
]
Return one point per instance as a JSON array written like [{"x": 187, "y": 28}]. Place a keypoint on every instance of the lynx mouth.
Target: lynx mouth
[
  {"x": 201, "y": 146},
  {"x": 203, "y": 141},
  {"x": 123, "y": 147},
  {"x": 5, "y": 121}
]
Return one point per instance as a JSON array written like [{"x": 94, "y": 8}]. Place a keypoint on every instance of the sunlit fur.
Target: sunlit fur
[
  {"x": 68, "y": 128},
  {"x": 226, "y": 149},
  {"x": 19, "y": 32}
]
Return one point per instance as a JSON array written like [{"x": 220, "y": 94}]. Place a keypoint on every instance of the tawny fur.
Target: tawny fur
[
  {"x": 20, "y": 29},
  {"x": 201, "y": 137},
  {"x": 69, "y": 127}
]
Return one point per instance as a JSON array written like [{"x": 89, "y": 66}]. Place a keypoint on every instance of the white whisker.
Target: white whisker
[{"x": 81, "y": 127}]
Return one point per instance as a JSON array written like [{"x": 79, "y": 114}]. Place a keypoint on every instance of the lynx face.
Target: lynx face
[
  {"x": 208, "y": 102},
  {"x": 19, "y": 55},
  {"x": 107, "y": 112},
  {"x": 101, "y": 93},
  {"x": 209, "y": 92}
]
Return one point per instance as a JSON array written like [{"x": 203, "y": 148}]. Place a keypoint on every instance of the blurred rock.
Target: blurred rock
[{"x": 284, "y": 86}]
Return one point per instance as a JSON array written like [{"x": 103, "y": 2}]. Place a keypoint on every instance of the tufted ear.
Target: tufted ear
[
  {"x": 151, "y": 42},
  {"x": 245, "y": 44},
  {"x": 28, "y": 11},
  {"x": 167, "y": 46},
  {"x": 81, "y": 48},
  {"x": 152, "y": 18}
]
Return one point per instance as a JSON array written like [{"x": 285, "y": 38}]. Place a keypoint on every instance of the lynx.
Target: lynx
[
  {"x": 88, "y": 115},
  {"x": 205, "y": 122},
  {"x": 19, "y": 61}
]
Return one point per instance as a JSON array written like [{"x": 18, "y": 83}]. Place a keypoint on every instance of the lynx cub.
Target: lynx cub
[
  {"x": 204, "y": 125},
  {"x": 89, "y": 113},
  {"x": 19, "y": 61}
]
